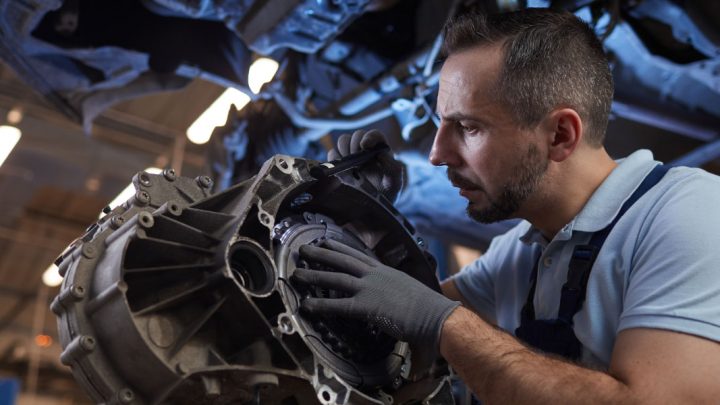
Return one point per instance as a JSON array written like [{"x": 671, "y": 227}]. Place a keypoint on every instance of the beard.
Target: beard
[{"x": 527, "y": 173}]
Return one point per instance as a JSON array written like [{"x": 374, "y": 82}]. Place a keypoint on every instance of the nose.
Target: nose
[{"x": 443, "y": 149}]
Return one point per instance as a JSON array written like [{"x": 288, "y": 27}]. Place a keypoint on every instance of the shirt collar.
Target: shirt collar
[
  {"x": 606, "y": 201},
  {"x": 532, "y": 235}
]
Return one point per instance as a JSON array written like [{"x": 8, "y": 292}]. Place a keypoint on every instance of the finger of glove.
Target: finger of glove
[
  {"x": 330, "y": 306},
  {"x": 389, "y": 164},
  {"x": 339, "y": 261},
  {"x": 333, "y": 155},
  {"x": 326, "y": 279},
  {"x": 350, "y": 251},
  {"x": 357, "y": 137},
  {"x": 343, "y": 145},
  {"x": 371, "y": 139}
]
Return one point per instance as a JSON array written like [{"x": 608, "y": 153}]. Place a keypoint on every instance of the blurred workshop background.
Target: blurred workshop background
[{"x": 92, "y": 92}]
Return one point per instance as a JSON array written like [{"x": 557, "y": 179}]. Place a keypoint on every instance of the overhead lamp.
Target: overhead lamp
[
  {"x": 216, "y": 115},
  {"x": 261, "y": 72},
  {"x": 43, "y": 340},
  {"x": 9, "y": 137},
  {"x": 51, "y": 277},
  {"x": 15, "y": 115},
  {"x": 128, "y": 191}
]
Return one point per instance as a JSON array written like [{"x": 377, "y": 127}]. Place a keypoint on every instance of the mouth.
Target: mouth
[
  {"x": 469, "y": 192},
  {"x": 467, "y": 188}
]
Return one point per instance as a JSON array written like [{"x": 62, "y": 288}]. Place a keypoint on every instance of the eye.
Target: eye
[{"x": 467, "y": 129}]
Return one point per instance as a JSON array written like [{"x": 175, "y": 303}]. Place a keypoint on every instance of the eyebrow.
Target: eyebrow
[{"x": 459, "y": 117}]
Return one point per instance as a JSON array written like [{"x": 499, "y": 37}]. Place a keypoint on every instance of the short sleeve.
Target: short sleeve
[
  {"x": 674, "y": 282},
  {"x": 477, "y": 281}
]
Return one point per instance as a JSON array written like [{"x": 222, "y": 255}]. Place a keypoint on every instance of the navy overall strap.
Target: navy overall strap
[{"x": 583, "y": 258}]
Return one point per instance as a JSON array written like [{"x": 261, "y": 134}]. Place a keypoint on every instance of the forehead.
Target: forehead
[{"x": 468, "y": 78}]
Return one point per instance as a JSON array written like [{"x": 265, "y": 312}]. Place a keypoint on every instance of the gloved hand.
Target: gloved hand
[
  {"x": 392, "y": 300},
  {"x": 384, "y": 172}
]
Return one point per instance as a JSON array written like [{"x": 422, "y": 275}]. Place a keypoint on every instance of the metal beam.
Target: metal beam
[{"x": 699, "y": 156}]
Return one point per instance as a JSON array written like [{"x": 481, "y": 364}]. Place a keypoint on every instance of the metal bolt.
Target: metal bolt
[
  {"x": 204, "y": 181},
  {"x": 117, "y": 221},
  {"x": 420, "y": 242},
  {"x": 170, "y": 174},
  {"x": 142, "y": 197}
]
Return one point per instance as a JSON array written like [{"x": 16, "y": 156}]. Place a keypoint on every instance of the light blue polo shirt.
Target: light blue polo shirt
[{"x": 659, "y": 267}]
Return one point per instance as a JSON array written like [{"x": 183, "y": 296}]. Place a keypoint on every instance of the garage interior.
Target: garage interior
[{"x": 83, "y": 137}]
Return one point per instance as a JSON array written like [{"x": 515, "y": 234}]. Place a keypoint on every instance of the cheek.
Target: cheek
[{"x": 481, "y": 160}]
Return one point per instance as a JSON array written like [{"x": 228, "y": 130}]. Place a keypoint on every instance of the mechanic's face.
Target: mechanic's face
[{"x": 496, "y": 165}]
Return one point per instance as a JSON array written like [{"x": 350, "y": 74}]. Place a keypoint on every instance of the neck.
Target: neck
[{"x": 567, "y": 187}]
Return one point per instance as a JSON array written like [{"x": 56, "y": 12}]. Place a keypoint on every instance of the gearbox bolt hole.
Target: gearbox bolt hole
[
  {"x": 285, "y": 324},
  {"x": 144, "y": 179},
  {"x": 264, "y": 218}
]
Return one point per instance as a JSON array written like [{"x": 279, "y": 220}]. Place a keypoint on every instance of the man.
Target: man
[{"x": 523, "y": 104}]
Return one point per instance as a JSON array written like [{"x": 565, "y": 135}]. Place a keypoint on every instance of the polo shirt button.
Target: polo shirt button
[{"x": 547, "y": 261}]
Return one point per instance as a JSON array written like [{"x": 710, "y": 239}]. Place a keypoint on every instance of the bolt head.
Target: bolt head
[
  {"x": 117, "y": 221},
  {"x": 142, "y": 197},
  {"x": 170, "y": 174},
  {"x": 204, "y": 181}
]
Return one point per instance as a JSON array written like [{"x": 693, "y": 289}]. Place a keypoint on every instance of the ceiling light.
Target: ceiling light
[
  {"x": 92, "y": 184},
  {"x": 9, "y": 137},
  {"x": 261, "y": 72},
  {"x": 216, "y": 115},
  {"x": 129, "y": 191},
  {"x": 15, "y": 115},
  {"x": 43, "y": 340},
  {"x": 51, "y": 277}
]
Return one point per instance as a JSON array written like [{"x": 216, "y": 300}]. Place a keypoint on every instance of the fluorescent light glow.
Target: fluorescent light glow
[
  {"x": 51, "y": 277},
  {"x": 216, "y": 115},
  {"x": 261, "y": 72},
  {"x": 43, "y": 340},
  {"x": 129, "y": 191},
  {"x": 15, "y": 115},
  {"x": 9, "y": 137}
]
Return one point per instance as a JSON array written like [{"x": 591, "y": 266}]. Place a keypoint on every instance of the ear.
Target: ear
[{"x": 565, "y": 131}]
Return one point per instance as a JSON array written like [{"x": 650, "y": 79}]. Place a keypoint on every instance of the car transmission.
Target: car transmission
[{"x": 180, "y": 295}]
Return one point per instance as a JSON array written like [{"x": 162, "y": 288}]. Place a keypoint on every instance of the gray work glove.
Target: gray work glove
[
  {"x": 400, "y": 305},
  {"x": 383, "y": 172}
]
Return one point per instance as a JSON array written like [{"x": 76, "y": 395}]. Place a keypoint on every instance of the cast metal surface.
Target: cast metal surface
[{"x": 182, "y": 296}]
